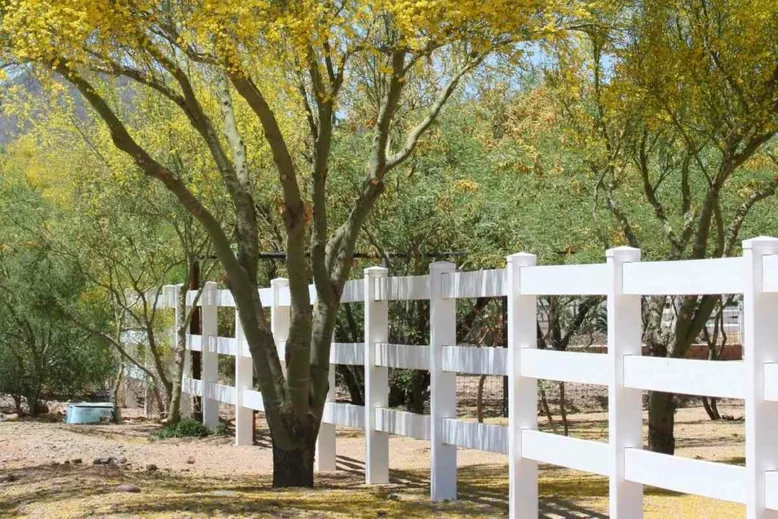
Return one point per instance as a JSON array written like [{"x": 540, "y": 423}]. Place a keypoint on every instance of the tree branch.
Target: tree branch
[
  {"x": 413, "y": 137},
  {"x": 241, "y": 283}
]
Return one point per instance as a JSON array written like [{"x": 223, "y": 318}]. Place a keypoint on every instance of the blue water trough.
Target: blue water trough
[{"x": 89, "y": 412}]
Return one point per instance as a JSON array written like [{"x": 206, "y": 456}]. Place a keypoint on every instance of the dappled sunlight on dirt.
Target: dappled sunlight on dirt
[{"x": 211, "y": 477}]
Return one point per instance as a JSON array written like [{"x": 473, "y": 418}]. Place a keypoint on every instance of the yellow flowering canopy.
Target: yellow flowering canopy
[{"x": 82, "y": 31}]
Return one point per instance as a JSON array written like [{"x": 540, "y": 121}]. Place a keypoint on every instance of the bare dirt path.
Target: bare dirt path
[{"x": 210, "y": 477}]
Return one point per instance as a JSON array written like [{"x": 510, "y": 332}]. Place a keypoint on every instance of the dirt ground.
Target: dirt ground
[{"x": 210, "y": 477}]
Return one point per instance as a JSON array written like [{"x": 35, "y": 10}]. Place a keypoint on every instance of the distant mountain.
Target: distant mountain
[{"x": 11, "y": 127}]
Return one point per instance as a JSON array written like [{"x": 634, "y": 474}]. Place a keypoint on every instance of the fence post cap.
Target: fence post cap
[
  {"x": 624, "y": 252},
  {"x": 442, "y": 266},
  {"x": 760, "y": 242},
  {"x": 376, "y": 271},
  {"x": 171, "y": 289},
  {"x": 522, "y": 258},
  {"x": 279, "y": 282}
]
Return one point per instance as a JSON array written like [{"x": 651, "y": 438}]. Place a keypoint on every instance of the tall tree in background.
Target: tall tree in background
[
  {"x": 42, "y": 355},
  {"x": 121, "y": 231},
  {"x": 675, "y": 104},
  {"x": 280, "y": 59}
]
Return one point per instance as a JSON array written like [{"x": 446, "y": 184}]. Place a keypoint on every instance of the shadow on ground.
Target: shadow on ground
[{"x": 71, "y": 491}]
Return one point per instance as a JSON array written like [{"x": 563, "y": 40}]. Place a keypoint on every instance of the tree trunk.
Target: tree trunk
[
  {"x": 115, "y": 395},
  {"x": 414, "y": 401},
  {"x": 157, "y": 395},
  {"x": 33, "y": 404},
  {"x": 179, "y": 356},
  {"x": 174, "y": 416},
  {"x": 479, "y": 403},
  {"x": 354, "y": 380},
  {"x": 714, "y": 405},
  {"x": 17, "y": 403},
  {"x": 711, "y": 408},
  {"x": 661, "y": 422},
  {"x": 562, "y": 410},
  {"x": 293, "y": 467},
  {"x": 710, "y": 404},
  {"x": 547, "y": 409}
]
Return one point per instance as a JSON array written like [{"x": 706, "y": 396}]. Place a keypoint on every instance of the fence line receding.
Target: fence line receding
[{"x": 623, "y": 279}]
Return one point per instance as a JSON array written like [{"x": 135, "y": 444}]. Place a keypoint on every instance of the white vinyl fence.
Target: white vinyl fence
[{"x": 623, "y": 279}]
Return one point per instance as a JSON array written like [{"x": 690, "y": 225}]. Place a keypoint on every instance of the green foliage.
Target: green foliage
[
  {"x": 186, "y": 428},
  {"x": 42, "y": 354}
]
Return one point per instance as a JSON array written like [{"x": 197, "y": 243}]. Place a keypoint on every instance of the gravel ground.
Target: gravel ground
[
  {"x": 38, "y": 454},
  {"x": 30, "y": 443}
]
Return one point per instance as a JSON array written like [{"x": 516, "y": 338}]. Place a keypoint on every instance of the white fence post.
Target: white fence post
[
  {"x": 759, "y": 347},
  {"x": 522, "y": 391},
  {"x": 325, "y": 442},
  {"x": 210, "y": 371},
  {"x": 625, "y": 406},
  {"x": 244, "y": 379},
  {"x": 280, "y": 317},
  {"x": 376, "y": 379},
  {"x": 443, "y": 385}
]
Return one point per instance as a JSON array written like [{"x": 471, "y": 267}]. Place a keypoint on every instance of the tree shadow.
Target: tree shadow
[
  {"x": 67, "y": 490},
  {"x": 486, "y": 486},
  {"x": 47, "y": 490}
]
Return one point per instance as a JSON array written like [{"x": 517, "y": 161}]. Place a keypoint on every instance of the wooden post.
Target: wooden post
[
  {"x": 625, "y": 406},
  {"x": 760, "y": 346},
  {"x": 522, "y": 391},
  {"x": 244, "y": 379},
  {"x": 443, "y": 385},
  {"x": 209, "y": 354},
  {"x": 376, "y": 379}
]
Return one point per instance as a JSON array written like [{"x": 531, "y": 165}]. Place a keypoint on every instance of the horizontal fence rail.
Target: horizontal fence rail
[
  {"x": 564, "y": 280},
  {"x": 474, "y": 435},
  {"x": 686, "y": 376},
  {"x": 402, "y": 423},
  {"x": 482, "y": 283},
  {"x": 563, "y": 451},
  {"x": 406, "y": 288},
  {"x": 564, "y": 366},
  {"x": 703, "y": 478},
  {"x": 475, "y": 361},
  {"x": 691, "y": 277},
  {"x": 402, "y": 356},
  {"x": 622, "y": 280}
]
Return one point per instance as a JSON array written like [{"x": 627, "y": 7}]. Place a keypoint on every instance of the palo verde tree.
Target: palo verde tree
[
  {"x": 675, "y": 108},
  {"x": 282, "y": 62},
  {"x": 120, "y": 230}
]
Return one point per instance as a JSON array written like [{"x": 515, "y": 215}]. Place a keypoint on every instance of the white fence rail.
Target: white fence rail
[{"x": 623, "y": 280}]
